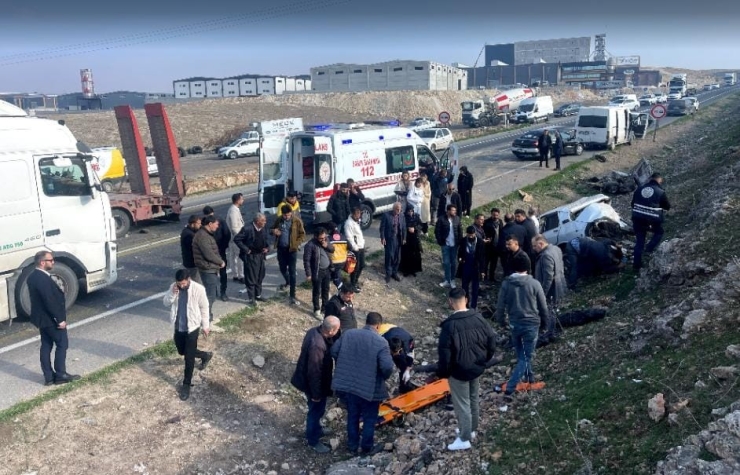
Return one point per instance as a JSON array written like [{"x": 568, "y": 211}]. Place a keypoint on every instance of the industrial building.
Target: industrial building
[
  {"x": 398, "y": 75},
  {"x": 562, "y": 50},
  {"x": 236, "y": 86}
]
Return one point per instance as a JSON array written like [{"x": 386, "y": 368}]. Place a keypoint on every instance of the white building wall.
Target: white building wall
[
  {"x": 247, "y": 87},
  {"x": 279, "y": 84},
  {"x": 214, "y": 88},
  {"x": 198, "y": 89},
  {"x": 181, "y": 89},
  {"x": 290, "y": 84},
  {"x": 307, "y": 84},
  {"x": 265, "y": 85},
  {"x": 300, "y": 85},
  {"x": 388, "y": 76},
  {"x": 230, "y": 87}
]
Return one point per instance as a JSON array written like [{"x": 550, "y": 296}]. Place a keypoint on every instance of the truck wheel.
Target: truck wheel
[
  {"x": 123, "y": 221},
  {"x": 107, "y": 186},
  {"x": 233, "y": 155},
  {"x": 61, "y": 274},
  {"x": 366, "y": 218}
]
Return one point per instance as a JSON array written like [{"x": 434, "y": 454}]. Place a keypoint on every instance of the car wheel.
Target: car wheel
[
  {"x": 579, "y": 149},
  {"x": 61, "y": 274},
  {"x": 366, "y": 217},
  {"x": 107, "y": 186},
  {"x": 233, "y": 155},
  {"x": 433, "y": 148}
]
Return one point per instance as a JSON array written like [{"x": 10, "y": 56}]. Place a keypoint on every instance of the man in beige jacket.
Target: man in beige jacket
[
  {"x": 189, "y": 313},
  {"x": 235, "y": 221}
]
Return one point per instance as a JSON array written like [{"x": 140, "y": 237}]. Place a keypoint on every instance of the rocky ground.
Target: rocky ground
[
  {"x": 213, "y": 122},
  {"x": 658, "y": 372}
]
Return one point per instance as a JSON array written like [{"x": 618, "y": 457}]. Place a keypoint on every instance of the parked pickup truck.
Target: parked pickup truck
[{"x": 591, "y": 216}]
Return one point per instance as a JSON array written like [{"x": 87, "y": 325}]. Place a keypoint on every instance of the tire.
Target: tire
[
  {"x": 60, "y": 273},
  {"x": 579, "y": 149},
  {"x": 123, "y": 221},
  {"x": 484, "y": 122},
  {"x": 107, "y": 186},
  {"x": 233, "y": 155},
  {"x": 433, "y": 148},
  {"x": 175, "y": 217},
  {"x": 181, "y": 152},
  {"x": 366, "y": 218}
]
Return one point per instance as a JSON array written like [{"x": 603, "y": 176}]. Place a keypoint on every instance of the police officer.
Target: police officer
[{"x": 649, "y": 204}]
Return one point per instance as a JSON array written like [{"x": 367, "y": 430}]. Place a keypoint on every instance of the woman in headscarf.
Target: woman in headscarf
[
  {"x": 416, "y": 196},
  {"x": 411, "y": 251},
  {"x": 425, "y": 214}
]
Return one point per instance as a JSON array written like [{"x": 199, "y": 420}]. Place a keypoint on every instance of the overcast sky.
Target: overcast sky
[{"x": 143, "y": 45}]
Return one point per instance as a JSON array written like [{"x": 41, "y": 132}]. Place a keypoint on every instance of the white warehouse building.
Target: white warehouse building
[
  {"x": 395, "y": 75},
  {"x": 243, "y": 85}
]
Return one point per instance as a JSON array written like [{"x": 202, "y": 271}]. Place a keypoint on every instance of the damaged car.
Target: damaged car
[{"x": 592, "y": 216}]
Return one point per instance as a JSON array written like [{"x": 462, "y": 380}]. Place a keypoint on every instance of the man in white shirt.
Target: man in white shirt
[
  {"x": 235, "y": 220},
  {"x": 356, "y": 243}
]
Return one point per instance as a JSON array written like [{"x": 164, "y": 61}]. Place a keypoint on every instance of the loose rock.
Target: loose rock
[
  {"x": 656, "y": 407},
  {"x": 258, "y": 361}
]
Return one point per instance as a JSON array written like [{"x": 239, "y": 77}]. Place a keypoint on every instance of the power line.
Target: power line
[{"x": 169, "y": 33}]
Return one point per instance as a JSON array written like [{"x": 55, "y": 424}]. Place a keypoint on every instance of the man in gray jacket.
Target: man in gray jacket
[
  {"x": 208, "y": 258},
  {"x": 363, "y": 363},
  {"x": 549, "y": 272},
  {"x": 522, "y": 298}
]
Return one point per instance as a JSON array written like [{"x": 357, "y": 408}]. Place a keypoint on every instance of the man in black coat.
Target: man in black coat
[
  {"x": 511, "y": 228},
  {"x": 392, "y": 237},
  {"x": 465, "y": 187},
  {"x": 492, "y": 227},
  {"x": 451, "y": 197},
  {"x": 223, "y": 239},
  {"x": 356, "y": 197},
  {"x": 49, "y": 315},
  {"x": 313, "y": 375},
  {"x": 186, "y": 247},
  {"x": 520, "y": 216},
  {"x": 401, "y": 344},
  {"x": 253, "y": 245},
  {"x": 317, "y": 265},
  {"x": 472, "y": 257},
  {"x": 649, "y": 204},
  {"x": 339, "y": 206}
]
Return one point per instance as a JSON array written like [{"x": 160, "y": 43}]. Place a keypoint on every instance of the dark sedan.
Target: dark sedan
[
  {"x": 526, "y": 145},
  {"x": 567, "y": 109}
]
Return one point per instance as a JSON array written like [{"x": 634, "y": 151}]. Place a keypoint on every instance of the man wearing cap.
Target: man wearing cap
[{"x": 291, "y": 199}]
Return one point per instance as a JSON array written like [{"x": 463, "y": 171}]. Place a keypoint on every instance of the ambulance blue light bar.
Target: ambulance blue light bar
[
  {"x": 346, "y": 141},
  {"x": 380, "y": 137},
  {"x": 319, "y": 127},
  {"x": 389, "y": 123}
]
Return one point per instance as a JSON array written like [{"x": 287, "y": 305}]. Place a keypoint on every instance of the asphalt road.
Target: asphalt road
[{"x": 125, "y": 318}]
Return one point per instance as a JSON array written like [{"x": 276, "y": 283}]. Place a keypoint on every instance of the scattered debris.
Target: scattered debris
[
  {"x": 656, "y": 407},
  {"x": 526, "y": 197},
  {"x": 258, "y": 361}
]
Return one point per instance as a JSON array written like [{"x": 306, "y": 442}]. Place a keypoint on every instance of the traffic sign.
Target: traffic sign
[
  {"x": 658, "y": 111},
  {"x": 444, "y": 117}
]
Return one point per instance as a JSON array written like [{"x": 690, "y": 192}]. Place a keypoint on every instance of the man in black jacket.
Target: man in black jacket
[
  {"x": 588, "y": 257},
  {"x": 401, "y": 344},
  {"x": 451, "y": 197},
  {"x": 466, "y": 345},
  {"x": 186, "y": 247},
  {"x": 49, "y": 315},
  {"x": 393, "y": 237},
  {"x": 520, "y": 216},
  {"x": 317, "y": 265},
  {"x": 313, "y": 375},
  {"x": 338, "y": 206},
  {"x": 465, "y": 187},
  {"x": 513, "y": 252},
  {"x": 356, "y": 197},
  {"x": 253, "y": 245},
  {"x": 492, "y": 227},
  {"x": 472, "y": 256},
  {"x": 223, "y": 239},
  {"x": 649, "y": 204},
  {"x": 341, "y": 306}
]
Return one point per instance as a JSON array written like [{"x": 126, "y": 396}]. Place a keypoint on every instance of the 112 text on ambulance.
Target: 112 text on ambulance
[{"x": 366, "y": 164}]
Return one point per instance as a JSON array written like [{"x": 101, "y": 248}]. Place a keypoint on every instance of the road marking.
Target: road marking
[
  {"x": 92, "y": 319},
  {"x": 506, "y": 173}
]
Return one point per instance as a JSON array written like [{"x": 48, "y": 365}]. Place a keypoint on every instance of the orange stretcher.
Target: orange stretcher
[
  {"x": 524, "y": 387},
  {"x": 395, "y": 409}
]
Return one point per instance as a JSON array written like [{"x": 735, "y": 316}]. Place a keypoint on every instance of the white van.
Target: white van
[
  {"x": 51, "y": 200},
  {"x": 315, "y": 161},
  {"x": 534, "y": 109},
  {"x": 604, "y": 127}
]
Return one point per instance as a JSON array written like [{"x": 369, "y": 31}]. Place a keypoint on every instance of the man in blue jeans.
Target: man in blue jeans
[
  {"x": 448, "y": 232},
  {"x": 313, "y": 375},
  {"x": 521, "y": 298},
  {"x": 363, "y": 363}
]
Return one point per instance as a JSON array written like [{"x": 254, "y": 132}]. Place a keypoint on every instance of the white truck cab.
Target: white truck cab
[
  {"x": 315, "y": 160},
  {"x": 53, "y": 202}
]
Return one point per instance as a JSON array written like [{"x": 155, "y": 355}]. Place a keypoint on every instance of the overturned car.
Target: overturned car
[{"x": 592, "y": 216}]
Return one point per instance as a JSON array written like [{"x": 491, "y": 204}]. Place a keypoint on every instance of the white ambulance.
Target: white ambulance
[{"x": 315, "y": 160}]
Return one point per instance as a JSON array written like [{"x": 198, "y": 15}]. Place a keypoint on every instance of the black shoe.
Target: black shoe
[
  {"x": 377, "y": 448},
  {"x": 224, "y": 297},
  {"x": 508, "y": 397},
  {"x": 357, "y": 289},
  {"x": 237, "y": 279},
  {"x": 260, "y": 299},
  {"x": 206, "y": 359},
  {"x": 184, "y": 392},
  {"x": 353, "y": 452},
  {"x": 321, "y": 448},
  {"x": 63, "y": 378},
  {"x": 387, "y": 280},
  {"x": 396, "y": 277},
  {"x": 282, "y": 288}
]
